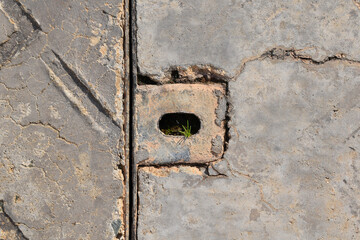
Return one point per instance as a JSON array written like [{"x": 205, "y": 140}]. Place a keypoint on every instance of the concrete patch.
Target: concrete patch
[{"x": 200, "y": 99}]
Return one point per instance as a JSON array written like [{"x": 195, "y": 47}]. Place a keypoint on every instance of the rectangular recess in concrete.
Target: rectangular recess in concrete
[{"x": 206, "y": 101}]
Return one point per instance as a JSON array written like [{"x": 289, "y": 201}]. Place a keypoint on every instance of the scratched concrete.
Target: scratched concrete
[
  {"x": 61, "y": 124},
  {"x": 289, "y": 168},
  {"x": 291, "y": 165}
]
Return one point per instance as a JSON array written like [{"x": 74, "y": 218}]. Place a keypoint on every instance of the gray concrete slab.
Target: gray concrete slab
[
  {"x": 6, "y": 27},
  {"x": 290, "y": 170},
  {"x": 224, "y": 34},
  {"x": 62, "y": 142},
  {"x": 291, "y": 163},
  {"x": 88, "y": 36}
]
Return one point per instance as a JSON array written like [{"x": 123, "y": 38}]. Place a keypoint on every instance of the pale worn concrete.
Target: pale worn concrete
[
  {"x": 61, "y": 120},
  {"x": 6, "y": 27},
  {"x": 290, "y": 169},
  {"x": 276, "y": 81},
  {"x": 226, "y": 33}
]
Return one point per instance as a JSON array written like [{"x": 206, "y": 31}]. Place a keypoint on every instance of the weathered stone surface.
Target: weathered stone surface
[
  {"x": 227, "y": 33},
  {"x": 6, "y": 27},
  {"x": 8, "y": 230},
  {"x": 204, "y": 100},
  {"x": 296, "y": 132},
  {"x": 17, "y": 35},
  {"x": 290, "y": 170},
  {"x": 88, "y": 36},
  {"x": 61, "y": 123},
  {"x": 288, "y": 71},
  {"x": 291, "y": 164},
  {"x": 185, "y": 203}
]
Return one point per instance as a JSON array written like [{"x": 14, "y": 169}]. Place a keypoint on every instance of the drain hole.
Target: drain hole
[
  {"x": 179, "y": 124},
  {"x": 175, "y": 74}
]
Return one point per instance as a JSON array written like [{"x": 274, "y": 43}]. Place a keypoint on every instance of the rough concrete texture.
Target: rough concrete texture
[
  {"x": 227, "y": 33},
  {"x": 291, "y": 165},
  {"x": 186, "y": 203},
  {"x": 205, "y": 101},
  {"x": 61, "y": 132},
  {"x": 8, "y": 229},
  {"x": 6, "y": 28},
  {"x": 291, "y": 168},
  {"x": 275, "y": 83}
]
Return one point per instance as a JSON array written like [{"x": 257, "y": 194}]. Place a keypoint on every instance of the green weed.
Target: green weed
[{"x": 187, "y": 130}]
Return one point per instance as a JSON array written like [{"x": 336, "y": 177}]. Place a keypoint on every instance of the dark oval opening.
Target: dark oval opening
[{"x": 179, "y": 124}]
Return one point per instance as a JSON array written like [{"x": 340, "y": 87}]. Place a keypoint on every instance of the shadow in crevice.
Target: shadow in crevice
[{"x": 8, "y": 227}]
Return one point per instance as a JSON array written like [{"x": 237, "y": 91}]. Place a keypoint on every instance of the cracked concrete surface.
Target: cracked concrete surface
[
  {"x": 223, "y": 34},
  {"x": 291, "y": 165},
  {"x": 8, "y": 229},
  {"x": 290, "y": 169},
  {"x": 277, "y": 89},
  {"x": 62, "y": 154}
]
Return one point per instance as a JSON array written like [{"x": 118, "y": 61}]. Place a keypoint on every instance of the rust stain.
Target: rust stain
[
  {"x": 94, "y": 41},
  {"x": 165, "y": 171},
  {"x": 103, "y": 50},
  {"x": 191, "y": 170},
  {"x": 160, "y": 172}
]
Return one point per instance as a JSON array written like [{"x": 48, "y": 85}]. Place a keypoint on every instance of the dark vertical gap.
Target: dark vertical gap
[
  {"x": 227, "y": 119},
  {"x": 133, "y": 79},
  {"x": 28, "y": 15},
  {"x": 126, "y": 128}
]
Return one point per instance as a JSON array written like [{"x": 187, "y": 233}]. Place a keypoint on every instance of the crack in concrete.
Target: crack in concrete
[
  {"x": 209, "y": 171},
  {"x": 352, "y": 135},
  {"x": 50, "y": 179},
  {"x": 21, "y": 35},
  {"x": 191, "y": 74},
  {"x": 16, "y": 27},
  {"x": 86, "y": 87},
  {"x": 237, "y": 173},
  {"x": 12, "y": 89},
  {"x": 124, "y": 142},
  {"x": 7, "y": 224},
  {"x": 280, "y": 53},
  {"x": 199, "y": 73},
  {"x": 91, "y": 93},
  {"x": 9, "y": 37},
  {"x": 71, "y": 97},
  {"x": 48, "y": 125},
  {"x": 283, "y": 53},
  {"x": 203, "y": 167},
  {"x": 29, "y": 16}
]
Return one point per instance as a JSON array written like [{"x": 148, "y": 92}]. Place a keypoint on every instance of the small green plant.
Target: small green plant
[
  {"x": 167, "y": 131},
  {"x": 187, "y": 130},
  {"x": 174, "y": 130}
]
